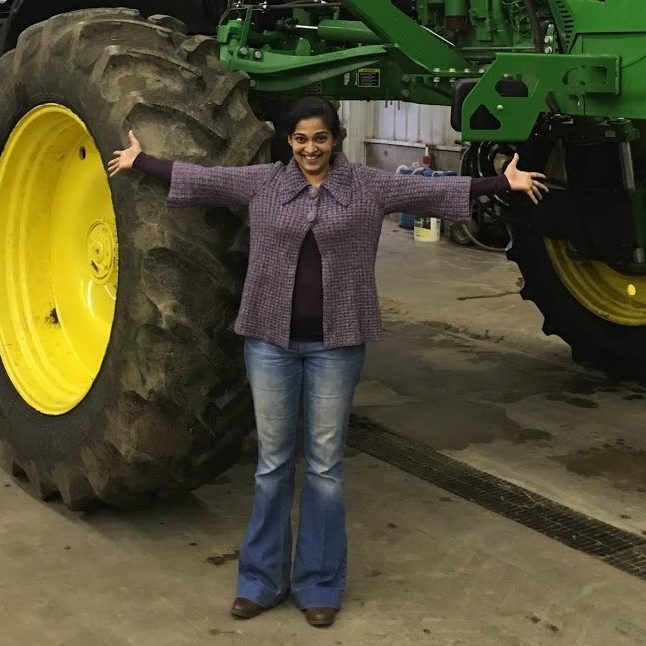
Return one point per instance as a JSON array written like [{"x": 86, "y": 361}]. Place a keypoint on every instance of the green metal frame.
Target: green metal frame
[
  {"x": 381, "y": 53},
  {"x": 395, "y": 54},
  {"x": 419, "y": 45},
  {"x": 267, "y": 68},
  {"x": 384, "y": 54},
  {"x": 565, "y": 81}
]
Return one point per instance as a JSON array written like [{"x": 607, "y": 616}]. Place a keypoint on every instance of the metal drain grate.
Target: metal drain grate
[{"x": 620, "y": 549}]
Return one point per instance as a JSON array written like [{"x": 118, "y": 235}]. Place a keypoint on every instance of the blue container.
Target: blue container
[{"x": 407, "y": 220}]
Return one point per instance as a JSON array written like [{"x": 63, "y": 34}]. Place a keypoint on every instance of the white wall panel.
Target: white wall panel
[
  {"x": 412, "y": 123},
  {"x": 396, "y": 123}
]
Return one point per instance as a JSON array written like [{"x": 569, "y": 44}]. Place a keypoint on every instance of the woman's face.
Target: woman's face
[{"x": 312, "y": 144}]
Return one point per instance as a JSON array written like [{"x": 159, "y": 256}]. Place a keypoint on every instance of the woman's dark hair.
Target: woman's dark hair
[{"x": 313, "y": 106}]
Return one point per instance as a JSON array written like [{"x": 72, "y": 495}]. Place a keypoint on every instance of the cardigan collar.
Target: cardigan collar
[{"x": 338, "y": 183}]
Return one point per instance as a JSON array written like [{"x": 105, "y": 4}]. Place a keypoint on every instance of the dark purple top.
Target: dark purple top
[{"x": 307, "y": 299}]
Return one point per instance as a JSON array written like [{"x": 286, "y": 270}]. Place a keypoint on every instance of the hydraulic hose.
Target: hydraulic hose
[
  {"x": 476, "y": 163},
  {"x": 477, "y": 243}
]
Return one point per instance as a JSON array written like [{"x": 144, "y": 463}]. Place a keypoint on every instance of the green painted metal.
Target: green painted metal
[
  {"x": 347, "y": 31},
  {"x": 566, "y": 80},
  {"x": 267, "y": 68},
  {"x": 384, "y": 54},
  {"x": 456, "y": 8},
  {"x": 586, "y": 17},
  {"x": 331, "y": 57},
  {"x": 416, "y": 43}
]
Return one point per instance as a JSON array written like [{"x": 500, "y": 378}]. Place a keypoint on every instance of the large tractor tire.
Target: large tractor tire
[
  {"x": 590, "y": 306},
  {"x": 121, "y": 376},
  {"x": 595, "y": 308}
]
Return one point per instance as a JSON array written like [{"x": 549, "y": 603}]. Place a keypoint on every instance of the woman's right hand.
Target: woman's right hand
[{"x": 124, "y": 159}]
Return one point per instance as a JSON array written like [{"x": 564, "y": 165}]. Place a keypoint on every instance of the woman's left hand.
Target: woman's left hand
[{"x": 520, "y": 180}]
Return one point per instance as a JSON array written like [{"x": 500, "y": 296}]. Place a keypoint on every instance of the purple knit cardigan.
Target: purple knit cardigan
[{"x": 345, "y": 214}]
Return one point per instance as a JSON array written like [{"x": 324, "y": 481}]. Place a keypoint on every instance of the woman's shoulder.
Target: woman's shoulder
[{"x": 366, "y": 174}]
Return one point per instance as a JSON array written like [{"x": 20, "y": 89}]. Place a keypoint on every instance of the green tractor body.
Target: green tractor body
[{"x": 157, "y": 398}]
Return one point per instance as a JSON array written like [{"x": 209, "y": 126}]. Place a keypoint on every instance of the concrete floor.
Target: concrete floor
[{"x": 464, "y": 368}]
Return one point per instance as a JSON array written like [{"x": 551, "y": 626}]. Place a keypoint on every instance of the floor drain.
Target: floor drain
[{"x": 620, "y": 549}]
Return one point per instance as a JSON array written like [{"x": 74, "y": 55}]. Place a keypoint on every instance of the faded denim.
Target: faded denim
[{"x": 310, "y": 384}]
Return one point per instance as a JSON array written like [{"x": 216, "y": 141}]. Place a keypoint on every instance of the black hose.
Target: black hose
[
  {"x": 471, "y": 165},
  {"x": 477, "y": 243},
  {"x": 537, "y": 32}
]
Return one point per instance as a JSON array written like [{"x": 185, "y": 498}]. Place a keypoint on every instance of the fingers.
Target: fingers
[
  {"x": 538, "y": 176},
  {"x": 114, "y": 166},
  {"x": 535, "y": 193},
  {"x": 532, "y": 197},
  {"x": 514, "y": 161}
]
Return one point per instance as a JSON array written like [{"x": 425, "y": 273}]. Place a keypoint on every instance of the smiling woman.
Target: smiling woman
[
  {"x": 309, "y": 306},
  {"x": 312, "y": 146},
  {"x": 314, "y": 132}
]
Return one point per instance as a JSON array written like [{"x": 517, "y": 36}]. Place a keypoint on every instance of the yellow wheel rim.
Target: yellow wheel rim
[
  {"x": 613, "y": 296},
  {"x": 58, "y": 270}
]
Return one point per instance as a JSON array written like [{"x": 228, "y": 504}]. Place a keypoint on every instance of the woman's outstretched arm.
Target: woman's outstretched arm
[
  {"x": 160, "y": 168},
  {"x": 449, "y": 197},
  {"x": 191, "y": 184}
]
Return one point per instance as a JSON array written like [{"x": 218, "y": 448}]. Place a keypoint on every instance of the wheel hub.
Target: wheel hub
[{"x": 101, "y": 249}]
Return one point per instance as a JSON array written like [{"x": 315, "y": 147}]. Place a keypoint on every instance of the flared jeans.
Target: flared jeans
[{"x": 311, "y": 388}]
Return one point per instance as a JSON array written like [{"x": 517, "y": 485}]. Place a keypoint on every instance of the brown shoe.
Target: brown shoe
[
  {"x": 320, "y": 617},
  {"x": 246, "y": 608}
]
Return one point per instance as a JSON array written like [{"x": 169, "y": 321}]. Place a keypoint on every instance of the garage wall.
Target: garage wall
[{"x": 387, "y": 134}]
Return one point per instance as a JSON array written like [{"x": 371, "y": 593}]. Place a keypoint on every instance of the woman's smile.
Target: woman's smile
[{"x": 312, "y": 144}]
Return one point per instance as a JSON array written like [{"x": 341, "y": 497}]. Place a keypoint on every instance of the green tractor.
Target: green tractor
[{"x": 121, "y": 375}]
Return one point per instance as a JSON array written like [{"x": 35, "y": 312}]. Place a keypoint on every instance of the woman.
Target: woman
[{"x": 308, "y": 307}]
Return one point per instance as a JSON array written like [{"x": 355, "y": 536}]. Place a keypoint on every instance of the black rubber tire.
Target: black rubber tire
[
  {"x": 170, "y": 405},
  {"x": 618, "y": 350}
]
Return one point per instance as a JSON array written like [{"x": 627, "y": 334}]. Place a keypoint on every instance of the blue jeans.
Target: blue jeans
[{"x": 310, "y": 387}]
